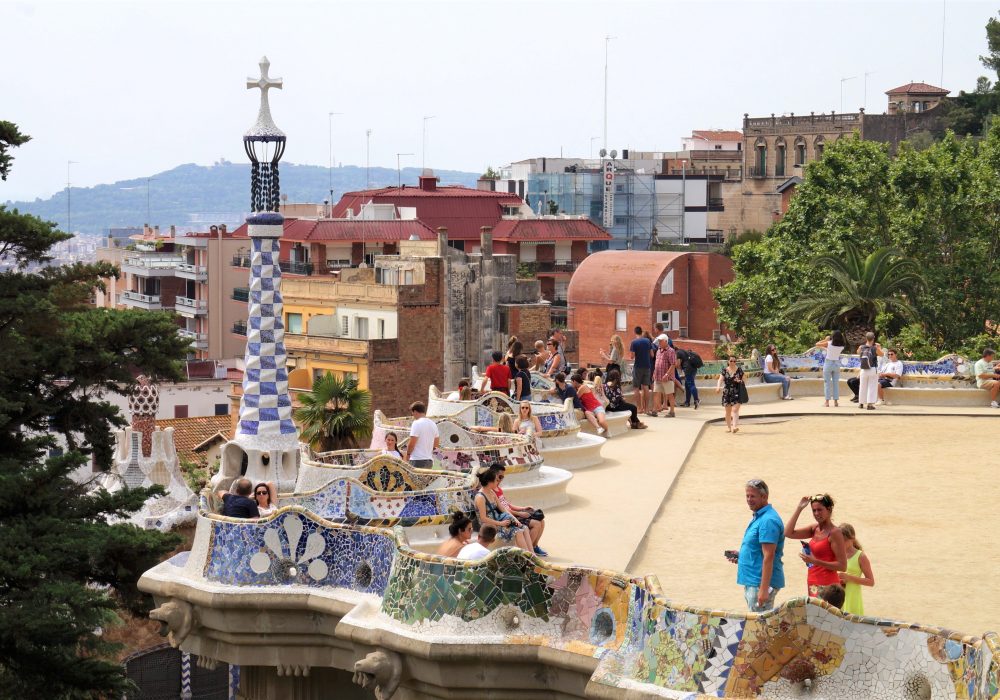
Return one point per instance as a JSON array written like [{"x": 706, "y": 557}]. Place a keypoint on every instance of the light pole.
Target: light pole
[
  {"x": 607, "y": 42},
  {"x": 368, "y": 159},
  {"x": 69, "y": 195},
  {"x": 399, "y": 173},
  {"x": 592, "y": 139},
  {"x": 683, "y": 198},
  {"x": 842, "y": 81},
  {"x": 330, "y": 116},
  {"x": 423, "y": 151},
  {"x": 867, "y": 73}
]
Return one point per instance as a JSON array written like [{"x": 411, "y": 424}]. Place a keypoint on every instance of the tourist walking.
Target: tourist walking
[
  {"x": 824, "y": 553},
  {"x": 642, "y": 371},
  {"x": 834, "y": 345},
  {"x": 773, "y": 373},
  {"x": 759, "y": 567},
  {"x": 732, "y": 386},
  {"x": 868, "y": 379},
  {"x": 858, "y": 573},
  {"x": 424, "y": 438}
]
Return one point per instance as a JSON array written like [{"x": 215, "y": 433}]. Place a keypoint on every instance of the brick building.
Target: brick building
[{"x": 612, "y": 292}]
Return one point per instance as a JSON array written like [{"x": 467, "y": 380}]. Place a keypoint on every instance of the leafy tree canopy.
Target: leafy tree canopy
[
  {"x": 64, "y": 569},
  {"x": 336, "y": 414},
  {"x": 939, "y": 207}
]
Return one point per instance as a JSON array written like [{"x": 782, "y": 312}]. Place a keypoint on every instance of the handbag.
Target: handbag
[{"x": 742, "y": 395}]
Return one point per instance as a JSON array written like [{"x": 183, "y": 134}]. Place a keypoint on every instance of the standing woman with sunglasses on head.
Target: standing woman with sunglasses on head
[
  {"x": 825, "y": 553},
  {"x": 266, "y": 497}
]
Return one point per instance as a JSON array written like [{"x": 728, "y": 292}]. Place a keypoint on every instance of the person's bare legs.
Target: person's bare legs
[
  {"x": 524, "y": 541},
  {"x": 602, "y": 420},
  {"x": 535, "y": 530},
  {"x": 736, "y": 417},
  {"x": 592, "y": 419},
  {"x": 729, "y": 418}
]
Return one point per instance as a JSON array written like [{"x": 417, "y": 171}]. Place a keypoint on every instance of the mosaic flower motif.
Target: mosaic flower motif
[{"x": 283, "y": 561}]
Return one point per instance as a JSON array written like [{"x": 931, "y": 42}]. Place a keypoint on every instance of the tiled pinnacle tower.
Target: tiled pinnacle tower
[
  {"x": 265, "y": 447},
  {"x": 265, "y": 408}
]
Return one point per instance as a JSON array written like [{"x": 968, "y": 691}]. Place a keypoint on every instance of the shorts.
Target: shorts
[
  {"x": 665, "y": 387},
  {"x": 989, "y": 383},
  {"x": 422, "y": 463},
  {"x": 750, "y": 595},
  {"x": 885, "y": 382},
  {"x": 599, "y": 410},
  {"x": 642, "y": 377}
]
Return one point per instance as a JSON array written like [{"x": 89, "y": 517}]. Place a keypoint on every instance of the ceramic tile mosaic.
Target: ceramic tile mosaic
[{"x": 297, "y": 547}]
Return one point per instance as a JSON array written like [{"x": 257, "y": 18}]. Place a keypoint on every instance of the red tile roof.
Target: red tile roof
[
  {"x": 343, "y": 230},
  {"x": 620, "y": 277},
  {"x": 191, "y": 432},
  {"x": 717, "y": 135},
  {"x": 549, "y": 229},
  {"x": 462, "y": 210},
  {"x": 917, "y": 89}
]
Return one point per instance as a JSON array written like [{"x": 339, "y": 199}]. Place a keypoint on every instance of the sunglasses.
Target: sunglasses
[{"x": 262, "y": 493}]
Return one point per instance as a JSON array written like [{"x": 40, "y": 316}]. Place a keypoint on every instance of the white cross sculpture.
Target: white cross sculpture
[{"x": 265, "y": 125}]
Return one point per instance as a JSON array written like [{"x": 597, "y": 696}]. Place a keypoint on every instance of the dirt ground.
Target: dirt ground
[{"x": 921, "y": 492}]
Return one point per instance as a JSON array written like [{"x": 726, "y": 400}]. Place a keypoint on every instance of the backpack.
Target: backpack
[
  {"x": 868, "y": 357},
  {"x": 695, "y": 359}
]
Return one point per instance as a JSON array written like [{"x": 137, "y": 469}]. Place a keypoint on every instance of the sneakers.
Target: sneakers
[
  {"x": 880, "y": 402},
  {"x": 540, "y": 552},
  {"x": 683, "y": 405},
  {"x": 994, "y": 404},
  {"x": 787, "y": 398},
  {"x": 854, "y": 400},
  {"x": 887, "y": 403},
  {"x": 697, "y": 403},
  {"x": 600, "y": 431}
]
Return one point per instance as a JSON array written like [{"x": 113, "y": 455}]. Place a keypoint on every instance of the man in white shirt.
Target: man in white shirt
[
  {"x": 987, "y": 376},
  {"x": 480, "y": 548},
  {"x": 424, "y": 438},
  {"x": 889, "y": 375}
]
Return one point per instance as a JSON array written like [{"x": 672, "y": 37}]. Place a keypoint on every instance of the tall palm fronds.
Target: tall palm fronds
[
  {"x": 863, "y": 288},
  {"x": 336, "y": 414}
]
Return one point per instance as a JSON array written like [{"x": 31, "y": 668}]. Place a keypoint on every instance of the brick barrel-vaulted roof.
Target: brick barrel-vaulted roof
[
  {"x": 619, "y": 277},
  {"x": 518, "y": 230}
]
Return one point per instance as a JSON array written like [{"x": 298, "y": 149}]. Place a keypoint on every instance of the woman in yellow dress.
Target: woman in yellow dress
[{"x": 858, "y": 574}]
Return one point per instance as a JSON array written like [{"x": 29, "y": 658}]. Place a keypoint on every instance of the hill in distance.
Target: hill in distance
[{"x": 196, "y": 196}]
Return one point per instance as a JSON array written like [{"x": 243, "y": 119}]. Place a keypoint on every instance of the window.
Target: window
[
  {"x": 408, "y": 277},
  {"x": 345, "y": 328},
  {"x": 779, "y": 160},
  {"x": 621, "y": 320},
  {"x": 718, "y": 147},
  {"x": 222, "y": 409},
  {"x": 761, "y": 160},
  {"x": 619, "y": 188},
  {"x": 818, "y": 147},
  {"x": 381, "y": 328},
  {"x": 181, "y": 411},
  {"x": 670, "y": 319},
  {"x": 362, "y": 326},
  {"x": 293, "y": 323},
  {"x": 800, "y": 151},
  {"x": 621, "y": 220},
  {"x": 667, "y": 286}
]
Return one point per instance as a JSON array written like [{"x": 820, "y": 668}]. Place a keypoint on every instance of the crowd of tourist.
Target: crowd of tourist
[{"x": 836, "y": 567}]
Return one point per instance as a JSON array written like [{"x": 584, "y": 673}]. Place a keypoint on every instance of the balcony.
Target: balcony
[
  {"x": 135, "y": 300},
  {"x": 241, "y": 261},
  {"x": 152, "y": 264},
  {"x": 241, "y": 294},
  {"x": 240, "y": 328},
  {"x": 186, "y": 306},
  {"x": 715, "y": 204},
  {"x": 757, "y": 173},
  {"x": 198, "y": 273},
  {"x": 296, "y": 268},
  {"x": 199, "y": 341},
  {"x": 556, "y": 266}
]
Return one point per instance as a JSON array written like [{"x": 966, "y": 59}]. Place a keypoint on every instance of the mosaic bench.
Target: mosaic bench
[
  {"x": 638, "y": 642},
  {"x": 561, "y": 442}
]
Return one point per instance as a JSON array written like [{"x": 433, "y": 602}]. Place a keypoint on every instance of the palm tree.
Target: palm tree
[
  {"x": 336, "y": 414},
  {"x": 863, "y": 288}
]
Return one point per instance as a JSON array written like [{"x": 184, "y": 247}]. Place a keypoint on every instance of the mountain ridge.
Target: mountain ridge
[{"x": 193, "y": 196}]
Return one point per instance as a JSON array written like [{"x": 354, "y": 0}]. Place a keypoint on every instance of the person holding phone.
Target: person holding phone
[{"x": 759, "y": 566}]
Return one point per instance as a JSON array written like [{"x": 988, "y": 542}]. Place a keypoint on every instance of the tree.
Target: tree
[
  {"x": 336, "y": 414},
  {"x": 64, "y": 569},
  {"x": 862, "y": 288},
  {"x": 10, "y": 137},
  {"x": 992, "y": 59}
]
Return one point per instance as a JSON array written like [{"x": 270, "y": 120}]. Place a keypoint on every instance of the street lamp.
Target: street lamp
[
  {"x": 330, "y": 116},
  {"x": 399, "y": 173},
  {"x": 423, "y": 152}
]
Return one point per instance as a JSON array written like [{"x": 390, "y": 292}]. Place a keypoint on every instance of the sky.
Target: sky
[{"x": 127, "y": 90}]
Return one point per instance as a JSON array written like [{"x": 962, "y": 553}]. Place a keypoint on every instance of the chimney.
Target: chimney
[
  {"x": 156, "y": 230},
  {"x": 222, "y": 227},
  {"x": 486, "y": 242},
  {"x": 173, "y": 231},
  {"x": 428, "y": 183},
  {"x": 442, "y": 242}
]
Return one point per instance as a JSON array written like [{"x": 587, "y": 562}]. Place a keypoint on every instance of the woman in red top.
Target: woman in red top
[
  {"x": 592, "y": 407},
  {"x": 825, "y": 553}
]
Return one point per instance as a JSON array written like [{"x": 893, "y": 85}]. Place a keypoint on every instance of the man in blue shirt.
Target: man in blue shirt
[
  {"x": 759, "y": 568},
  {"x": 642, "y": 371},
  {"x": 565, "y": 391},
  {"x": 239, "y": 504}
]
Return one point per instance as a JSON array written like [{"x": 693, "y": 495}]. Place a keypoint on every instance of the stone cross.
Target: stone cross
[{"x": 265, "y": 83}]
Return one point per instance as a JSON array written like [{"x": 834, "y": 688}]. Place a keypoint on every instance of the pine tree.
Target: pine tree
[{"x": 63, "y": 569}]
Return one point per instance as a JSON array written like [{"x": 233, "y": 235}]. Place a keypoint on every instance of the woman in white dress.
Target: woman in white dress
[{"x": 526, "y": 423}]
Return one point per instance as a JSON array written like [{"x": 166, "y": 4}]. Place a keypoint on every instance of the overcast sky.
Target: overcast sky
[{"x": 130, "y": 89}]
